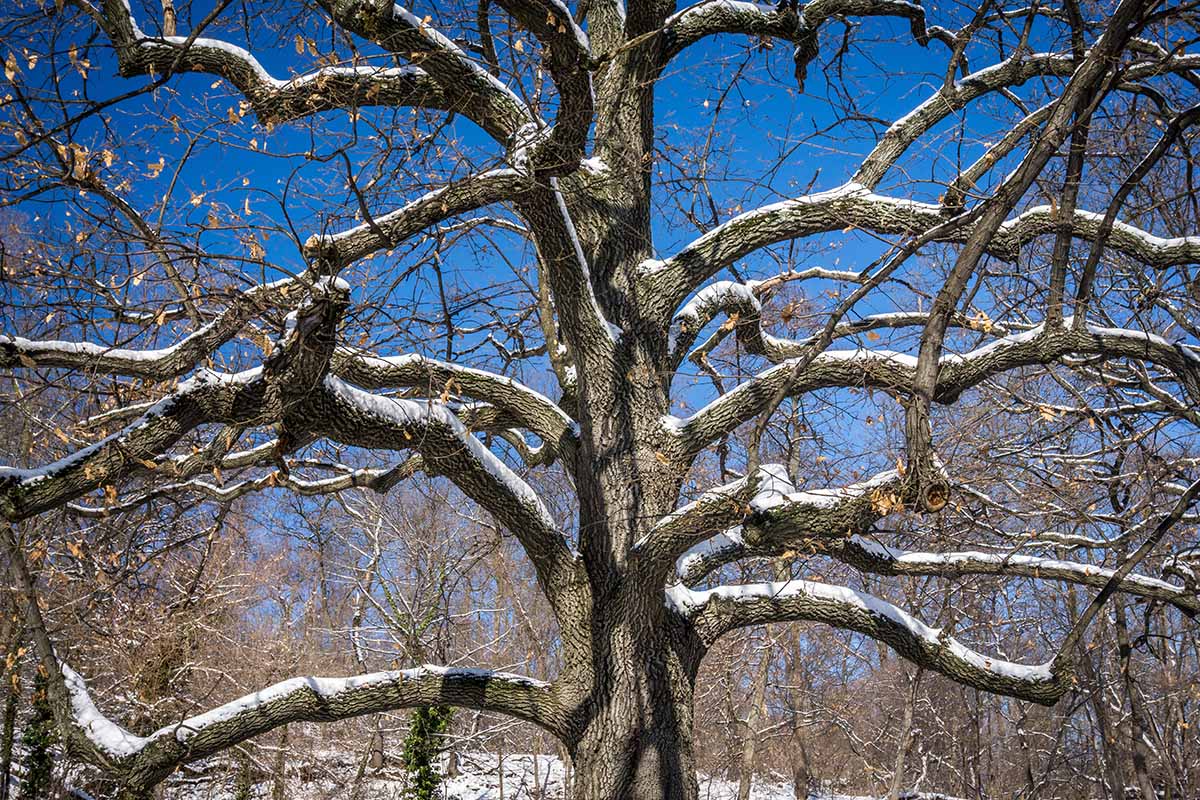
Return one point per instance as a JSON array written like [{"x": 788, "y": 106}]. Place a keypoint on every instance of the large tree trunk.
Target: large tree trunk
[
  {"x": 639, "y": 746},
  {"x": 637, "y": 739}
]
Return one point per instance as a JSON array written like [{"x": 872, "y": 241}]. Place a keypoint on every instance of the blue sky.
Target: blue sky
[{"x": 291, "y": 179}]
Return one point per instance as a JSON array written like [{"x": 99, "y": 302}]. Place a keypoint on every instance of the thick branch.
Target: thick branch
[
  {"x": 253, "y": 397},
  {"x": 565, "y": 267},
  {"x": 727, "y": 608},
  {"x": 885, "y": 369},
  {"x": 567, "y": 56},
  {"x": 708, "y": 18},
  {"x": 743, "y": 302},
  {"x": 340, "y": 249},
  {"x": 272, "y": 99},
  {"x": 468, "y": 85},
  {"x": 956, "y": 95},
  {"x": 351, "y": 416},
  {"x": 853, "y": 205},
  {"x": 142, "y": 762},
  {"x": 871, "y": 556},
  {"x": 767, "y": 511},
  {"x": 159, "y": 364},
  {"x": 529, "y": 409}
]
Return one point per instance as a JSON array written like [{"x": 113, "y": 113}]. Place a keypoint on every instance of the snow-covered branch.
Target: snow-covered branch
[
  {"x": 767, "y": 511},
  {"x": 528, "y": 408},
  {"x": 237, "y": 399},
  {"x": 146, "y": 760},
  {"x": 871, "y": 556},
  {"x": 769, "y": 20},
  {"x": 854, "y": 205},
  {"x": 347, "y": 414},
  {"x": 718, "y": 611},
  {"x": 252, "y": 397},
  {"x": 380, "y": 480},
  {"x": 470, "y": 87},
  {"x": 272, "y": 99},
  {"x": 157, "y": 364},
  {"x": 956, "y": 95},
  {"x": 567, "y": 271},
  {"x": 894, "y": 371},
  {"x": 568, "y": 58},
  {"x": 742, "y": 303},
  {"x": 388, "y": 230}
]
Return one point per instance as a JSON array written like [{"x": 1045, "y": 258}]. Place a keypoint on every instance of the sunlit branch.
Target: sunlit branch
[{"x": 726, "y": 608}]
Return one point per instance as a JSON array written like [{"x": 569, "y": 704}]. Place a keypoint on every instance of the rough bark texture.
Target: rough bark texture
[{"x": 633, "y": 631}]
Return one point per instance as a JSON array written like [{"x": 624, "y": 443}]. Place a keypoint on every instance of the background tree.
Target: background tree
[
  {"x": 492, "y": 247},
  {"x": 38, "y": 739}
]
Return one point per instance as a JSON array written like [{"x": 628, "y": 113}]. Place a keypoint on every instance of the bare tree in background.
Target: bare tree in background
[{"x": 1050, "y": 278}]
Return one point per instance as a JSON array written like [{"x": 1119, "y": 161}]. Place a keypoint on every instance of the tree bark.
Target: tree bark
[
  {"x": 279, "y": 773},
  {"x": 637, "y": 741},
  {"x": 13, "y": 634}
]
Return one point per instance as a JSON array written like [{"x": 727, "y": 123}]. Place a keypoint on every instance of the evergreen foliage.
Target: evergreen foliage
[
  {"x": 38, "y": 738},
  {"x": 422, "y": 747}
]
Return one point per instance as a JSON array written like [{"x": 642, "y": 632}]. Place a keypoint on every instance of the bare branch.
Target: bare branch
[
  {"x": 885, "y": 369},
  {"x": 718, "y": 611},
  {"x": 868, "y": 555},
  {"x": 144, "y": 761}
]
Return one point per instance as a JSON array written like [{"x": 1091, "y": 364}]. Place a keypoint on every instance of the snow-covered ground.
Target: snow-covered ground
[
  {"x": 525, "y": 777},
  {"x": 536, "y": 777}
]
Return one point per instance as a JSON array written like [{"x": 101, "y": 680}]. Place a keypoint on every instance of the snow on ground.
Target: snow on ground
[{"x": 525, "y": 777}]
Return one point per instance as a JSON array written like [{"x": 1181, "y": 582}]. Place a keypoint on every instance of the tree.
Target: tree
[
  {"x": 38, "y": 738},
  {"x": 526, "y": 133},
  {"x": 422, "y": 748}
]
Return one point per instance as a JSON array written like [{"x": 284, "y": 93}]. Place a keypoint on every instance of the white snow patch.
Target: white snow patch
[
  {"x": 967, "y": 557},
  {"x": 407, "y": 412},
  {"x": 104, "y": 733},
  {"x": 614, "y": 332},
  {"x": 778, "y": 490}
]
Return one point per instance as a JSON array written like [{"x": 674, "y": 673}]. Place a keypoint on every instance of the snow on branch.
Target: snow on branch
[
  {"x": 567, "y": 55},
  {"x": 718, "y": 611},
  {"x": 529, "y": 408},
  {"x": 887, "y": 369},
  {"x": 388, "y": 230},
  {"x": 957, "y": 94},
  {"x": 379, "y": 480},
  {"x": 854, "y": 205},
  {"x": 584, "y": 326},
  {"x": 743, "y": 303},
  {"x": 347, "y": 414},
  {"x": 206, "y": 397},
  {"x": 446, "y": 78},
  {"x": 155, "y": 364},
  {"x": 272, "y": 99},
  {"x": 251, "y": 397},
  {"x": 317, "y": 699},
  {"x": 871, "y": 556},
  {"x": 770, "y": 20},
  {"x": 766, "y": 510},
  {"x": 1154, "y": 251},
  {"x": 468, "y": 86}
]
